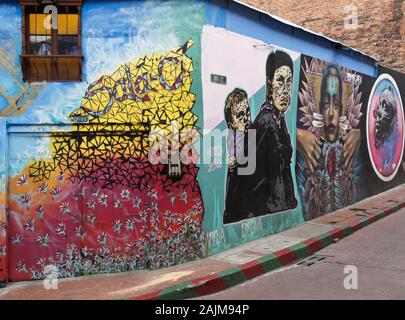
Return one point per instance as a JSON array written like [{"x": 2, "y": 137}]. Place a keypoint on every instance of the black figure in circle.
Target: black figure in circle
[{"x": 386, "y": 117}]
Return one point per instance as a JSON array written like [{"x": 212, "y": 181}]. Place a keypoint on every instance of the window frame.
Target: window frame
[{"x": 54, "y": 58}]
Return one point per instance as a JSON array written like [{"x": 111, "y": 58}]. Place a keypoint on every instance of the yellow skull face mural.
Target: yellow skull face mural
[{"x": 282, "y": 85}]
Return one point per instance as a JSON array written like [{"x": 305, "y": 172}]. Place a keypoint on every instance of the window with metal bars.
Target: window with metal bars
[{"x": 51, "y": 53}]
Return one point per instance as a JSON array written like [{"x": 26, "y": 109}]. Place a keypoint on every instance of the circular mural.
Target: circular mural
[{"x": 385, "y": 127}]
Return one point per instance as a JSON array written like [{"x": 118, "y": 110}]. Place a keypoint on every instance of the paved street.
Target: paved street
[
  {"x": 378, "y": 252},
  {"x": 375, "y": 249}
]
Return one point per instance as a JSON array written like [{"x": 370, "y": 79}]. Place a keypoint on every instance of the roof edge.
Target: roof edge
[{"x": 284, "y": 21}]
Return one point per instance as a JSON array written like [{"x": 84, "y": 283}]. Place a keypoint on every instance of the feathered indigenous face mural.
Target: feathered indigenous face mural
[
  {"x": 328, "y": 136},
  {"x": 99, "y": 204}
]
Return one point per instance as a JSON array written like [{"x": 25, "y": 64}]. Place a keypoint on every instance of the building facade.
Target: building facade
[
  {"x": 377, "y": 28},
  {"x": 144, "y": 134}
]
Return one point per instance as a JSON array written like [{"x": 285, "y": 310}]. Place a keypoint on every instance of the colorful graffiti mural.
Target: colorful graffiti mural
[
  {"x": 269, "y": 188},
  {"x": 238, "y": 119},
  {"x": 328, "y": 138},
  {"x": 99, "y": 205},
  {"x": 385, "y": 127},
  {"x": 105, "y": 175},
  {"x": 260, "y": 96}
]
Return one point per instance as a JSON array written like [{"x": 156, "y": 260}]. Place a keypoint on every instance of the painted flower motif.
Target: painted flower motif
[
  {"x": 21, "y": 267},
  {"x": 102, "y": 238},
  {"x": 154, "y": 220},
  {"x": 141, "y": 243},
  {"x": 136, "y": 202},
  {"x": 22, "y": 180},
  {"x": 59, "y": 177},
  {"x": 71, "y": 249},
  {"x": 60, "y": 255},
  {"x": 117, "y": 226},
  {"x": 40, "y": 213},
  {"x": 117, "y": 204},
  {"x": 75, "y": 196},
  {"x": 125, "y": 194},
  {"x": 142, "y": 216},
  {"x": 91, "y": 204},
  {"x": 103, "y": 251},
  {"x": 42, "y": 188},
  {"x": 151, "y": 206},
  {"x": 129, "y": 224},
  {"x": 143, "y": 229},
  {"x": 65, "y": 208},
  {"x": 91, "y": 218},
  {"x": 25, "y": 199},
  {"x": 2, "y": 250},
  {"x": 30, "y": 225},
  {"x": 79, "y": 232},
  {"x": 61, "y": 229},
  {"x": 130, "y": 246},
  {"x": 183, "y": 196},
  {"x": 95, "y": 193},
  {"x": 35, "y": 274},
  {"x": 103, "y": 199},
  {"x": 16, "y": 239},
  {"x": 85, "y": 251},
  {"x": 83, "y": 192},
  {"x": 3, "y": 226},
  {"x": 55, "y": 192},
  {"x": 43, "y": 240},
  {"x": 168, "y": 216},
  {"x": 41, "y": 262},
  {"x": 152, "y": 193}
]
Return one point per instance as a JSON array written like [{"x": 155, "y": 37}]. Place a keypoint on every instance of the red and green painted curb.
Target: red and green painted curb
[{"x": 231, "y": 277}]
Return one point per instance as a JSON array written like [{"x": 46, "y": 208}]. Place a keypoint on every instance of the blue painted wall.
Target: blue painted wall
[{"x": 244, "y": 20}]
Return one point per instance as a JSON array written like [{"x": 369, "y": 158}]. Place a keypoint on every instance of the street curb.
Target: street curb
[{"x": 236, "y": 275}]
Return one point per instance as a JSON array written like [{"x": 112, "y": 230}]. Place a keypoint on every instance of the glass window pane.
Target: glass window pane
[
  {"x": 67, "y": 45},
  {"x": 40, "y": 45}
]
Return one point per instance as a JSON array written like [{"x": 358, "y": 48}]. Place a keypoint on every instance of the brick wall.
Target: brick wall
[{"x": 380, "y": 27}]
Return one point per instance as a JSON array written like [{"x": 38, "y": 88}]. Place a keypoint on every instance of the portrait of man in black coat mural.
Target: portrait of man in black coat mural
[{"x": 270, "y": 188}]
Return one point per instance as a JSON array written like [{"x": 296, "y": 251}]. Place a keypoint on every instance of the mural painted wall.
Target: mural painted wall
[
  {"x": 98, "y": 204},
  {"x": 183, "y": 140},
  {"x": 384, "y": 124},
  {"x": 81, "y": 189},
  {"x": 260, "y": 95},
  {"x": 329, "y": 165}
]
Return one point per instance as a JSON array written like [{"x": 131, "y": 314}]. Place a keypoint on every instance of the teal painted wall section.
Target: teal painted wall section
[{"x": 213, "y": 185}]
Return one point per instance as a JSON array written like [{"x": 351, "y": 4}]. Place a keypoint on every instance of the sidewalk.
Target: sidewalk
[{"x": 223, "y": 270}]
